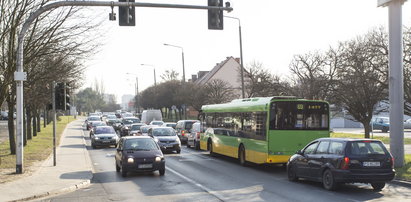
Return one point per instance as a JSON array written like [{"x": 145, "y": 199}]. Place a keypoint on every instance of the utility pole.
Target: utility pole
[
  {"x": 54, "y": 120},
  {"x": 396, "y": 82}
]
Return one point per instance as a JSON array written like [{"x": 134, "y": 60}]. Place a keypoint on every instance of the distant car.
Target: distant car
[
  {"x": 407, "y": 124},
  {"x": 139, "y": 153},
  {"x": 157, "y": 123},
  {"x": 90, "y": 120},
  {"x": 183, "y": 128},
  {"x": 126, "y": 124},
  {"x": 170, "y": 124},
  {"x": 381, "y": 123},
  {"x": 144, "y": 129},
  {"x": 338, "y": 160},
  {"x": 135, "y": 129},
  {"x": 94, "y": 124},
  {"x": 104, "y": 136},
  {"x": 193, "y": 139},
  {"x": 4, "y": 115},
  {"x": 166, "y": 138}
]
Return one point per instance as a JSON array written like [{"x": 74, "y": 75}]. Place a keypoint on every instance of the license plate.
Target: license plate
[
  {"x": 371, "y": 164},
  {"x": 106, "y": 141},
  {"x": 145, "y": 166}
]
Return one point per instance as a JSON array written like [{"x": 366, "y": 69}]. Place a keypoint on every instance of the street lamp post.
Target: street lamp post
[
  {"x": 182, "y": 55},
  {"x": 155, "y": 82},
  {"x": 241, "y": 55}
]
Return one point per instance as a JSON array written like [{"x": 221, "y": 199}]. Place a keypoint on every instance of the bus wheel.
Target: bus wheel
[
  {"x": 210, "y": 148},
  {"x": 241, "y": 155}
]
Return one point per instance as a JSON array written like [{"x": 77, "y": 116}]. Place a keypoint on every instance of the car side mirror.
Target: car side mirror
[{"x": 299, "y": 152}]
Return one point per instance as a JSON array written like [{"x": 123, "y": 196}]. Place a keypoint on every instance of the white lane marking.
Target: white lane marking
[{"x": 215, "y": 194}]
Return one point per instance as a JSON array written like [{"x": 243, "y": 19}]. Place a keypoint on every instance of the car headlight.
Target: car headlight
[
  {"x": 130, "y": 160},
  {"x": 155, "y": 139},
  {"x": 178, "y": 140},
  {"x": 158, "y": 159},
  {"x": 96, "y": 138},
  {"x": 126, "y": 128}
]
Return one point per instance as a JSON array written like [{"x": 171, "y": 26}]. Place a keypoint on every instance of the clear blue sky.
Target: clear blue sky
[{"x": 273, "y": 31}]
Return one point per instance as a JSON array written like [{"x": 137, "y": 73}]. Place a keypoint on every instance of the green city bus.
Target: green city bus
[{"x": 263, "y": 129}]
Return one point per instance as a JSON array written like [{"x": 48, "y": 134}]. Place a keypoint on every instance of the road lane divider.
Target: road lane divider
[{"x": 211, "y": 192}]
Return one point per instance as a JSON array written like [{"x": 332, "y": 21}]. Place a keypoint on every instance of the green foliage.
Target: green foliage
[{"x": 404, "y": 173}]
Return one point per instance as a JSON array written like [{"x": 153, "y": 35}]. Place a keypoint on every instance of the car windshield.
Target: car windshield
[
  {"x": 173, "y": 125},
  {"x": 131, "y": 121},
  {"x": 99, "y": 124},
  {"x": 163, "y": 132},
  {"x": 111, "y": 117},
  {"x": 135, "y": 127},
  {"x": 158, "y": 123},
  {"x": 364, "y": 148},
  {"x": 105, "y": 130},
  {"x": 140, "y": 144},
  {"x": 94, "y": 118},
  {"x": 144, "y": 129}
]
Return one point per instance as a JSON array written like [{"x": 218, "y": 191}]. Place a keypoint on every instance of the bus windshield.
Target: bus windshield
[{"x": 286, "y": 115}]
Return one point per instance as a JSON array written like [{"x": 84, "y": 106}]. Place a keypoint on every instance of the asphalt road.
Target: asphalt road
[{"x": 195, "y": 176}]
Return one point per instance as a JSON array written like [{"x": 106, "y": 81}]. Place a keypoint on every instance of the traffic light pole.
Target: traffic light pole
[{"x": 19, "y": 75}]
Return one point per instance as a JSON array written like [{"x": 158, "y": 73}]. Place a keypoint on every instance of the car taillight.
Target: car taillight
[
  {"x": 392, "y": 162},
  {"x": 182, "y": 133},
  {"x": 345, "y": 163},
  {"x": 198, "y": 135}
]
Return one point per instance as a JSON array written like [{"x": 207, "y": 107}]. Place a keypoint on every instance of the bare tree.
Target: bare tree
[
  {"x": 169, "y": 75},
  {"x": 360, "y": 83},
  {"x": 218, "y": 91}
]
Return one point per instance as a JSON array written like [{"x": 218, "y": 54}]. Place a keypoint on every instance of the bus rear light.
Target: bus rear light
[{"x": 345, "y": 163}]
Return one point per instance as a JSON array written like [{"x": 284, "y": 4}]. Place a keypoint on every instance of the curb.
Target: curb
[{"x": 83, "y": 184}]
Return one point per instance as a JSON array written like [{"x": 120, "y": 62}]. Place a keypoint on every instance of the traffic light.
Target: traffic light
[
  {"x": 59, "y": 94},
  {"x": 126, "y": 14},
  {"x": 215, "y": 17}
]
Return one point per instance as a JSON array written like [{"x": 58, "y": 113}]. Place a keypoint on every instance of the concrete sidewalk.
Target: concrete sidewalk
[{"x": 73, "y": 170}]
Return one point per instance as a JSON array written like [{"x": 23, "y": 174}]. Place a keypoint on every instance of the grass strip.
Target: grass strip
[
  {"x": 404, "y": 173},
  {"x": 38, "y": 148}
]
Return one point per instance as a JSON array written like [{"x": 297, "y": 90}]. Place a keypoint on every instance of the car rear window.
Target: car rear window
[
  {"x": 189, "y": 125},
  {"x": 364, "y": 148}
]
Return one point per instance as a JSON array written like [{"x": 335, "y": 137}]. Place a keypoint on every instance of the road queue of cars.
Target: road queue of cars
[{"x": 334, "y": 161}]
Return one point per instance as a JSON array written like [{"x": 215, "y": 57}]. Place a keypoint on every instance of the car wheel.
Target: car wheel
[
  {"x": 162, "y": 171},
  {"x": 292, "y": 176},
  {"x": 328, "y": 180},
  {"x": 123, "y": 172},
  {"x": 178, "y": 151},
  {"x": 378, "y": 186},
  {"x": 188, "y": 145},
  {"x": 117, "y": 167},
  {"x": 384, "y": 129},
  {"x": 241, "y": 156},
  {"x": 197, "y": 145},
  {"x": 93, "y": 146}
]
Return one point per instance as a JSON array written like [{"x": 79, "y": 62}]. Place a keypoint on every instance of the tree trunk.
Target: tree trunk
[
  {"x": 38, "y": 121},
  {"x": 34, "y": 123},
  {"x": 28, "y": 123},
  {"x": 45, "y": 118},
  {"x": 12, "y": 136},
  {"x": 367, "y": 129}
]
